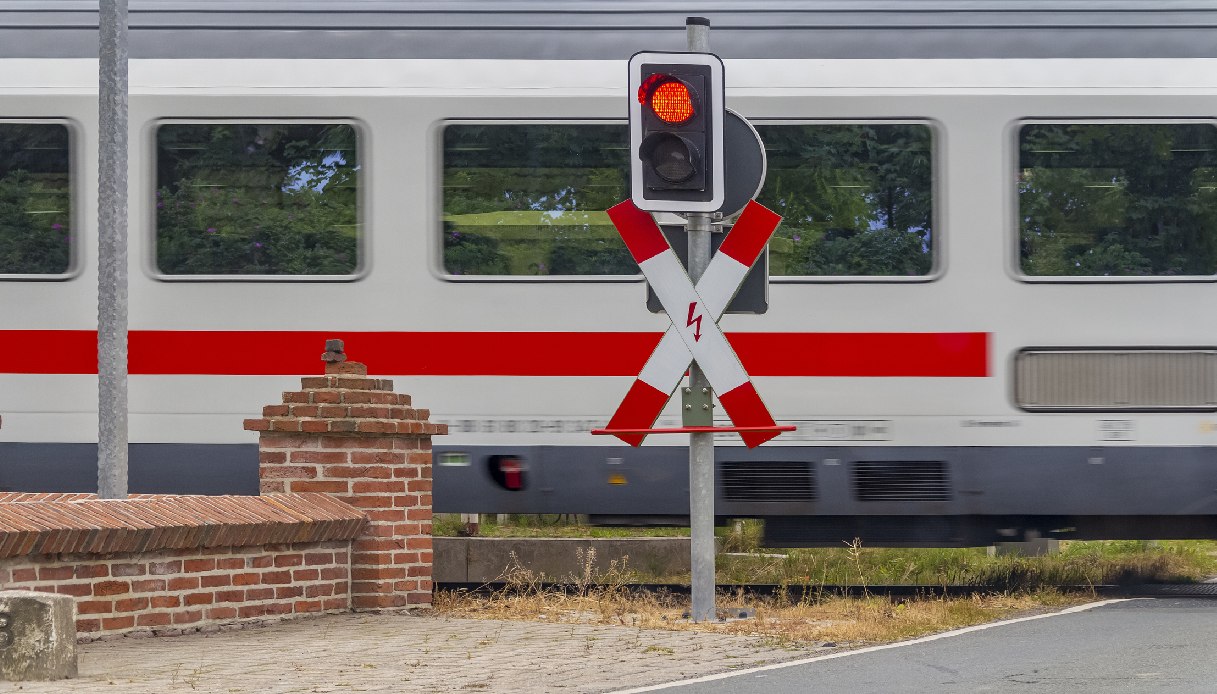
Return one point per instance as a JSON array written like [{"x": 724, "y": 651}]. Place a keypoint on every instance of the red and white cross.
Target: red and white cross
[{"x": 694, "y": 333}]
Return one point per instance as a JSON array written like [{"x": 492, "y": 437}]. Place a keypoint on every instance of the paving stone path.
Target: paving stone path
[{"x": 407, "y": 653}]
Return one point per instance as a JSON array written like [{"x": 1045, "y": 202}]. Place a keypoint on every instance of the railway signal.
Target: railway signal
[{"x": 676, "y": 132}]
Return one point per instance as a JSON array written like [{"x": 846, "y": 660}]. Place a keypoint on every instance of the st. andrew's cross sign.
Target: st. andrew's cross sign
[{"x": 694, "y": 333}]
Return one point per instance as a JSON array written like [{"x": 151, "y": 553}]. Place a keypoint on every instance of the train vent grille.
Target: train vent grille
[
  {"x": 768, "y": 481},
  {"x": 904, "y": 480},
  {"x": 1114, "y": 380}
]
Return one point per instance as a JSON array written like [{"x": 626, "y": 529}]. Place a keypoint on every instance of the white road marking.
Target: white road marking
[{"x": 871, "y": 649}]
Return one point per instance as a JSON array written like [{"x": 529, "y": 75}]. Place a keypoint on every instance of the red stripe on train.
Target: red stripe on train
[{"x": 170, "y": 352}]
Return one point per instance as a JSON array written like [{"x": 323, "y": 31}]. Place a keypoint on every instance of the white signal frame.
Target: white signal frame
[{"x": 716, "y": 98}]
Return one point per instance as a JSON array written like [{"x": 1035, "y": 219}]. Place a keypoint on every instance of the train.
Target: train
[{"x": 987, "y": 308}]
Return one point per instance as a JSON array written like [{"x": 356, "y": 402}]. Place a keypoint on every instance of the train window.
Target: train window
[
  {"x": 1118, "y": 199},
  {"x": 257, "y": 199},
  {"x": 35, "y": 200},
  {"x": 528, "y": 199},
  {"x": 856, "y": 199}
]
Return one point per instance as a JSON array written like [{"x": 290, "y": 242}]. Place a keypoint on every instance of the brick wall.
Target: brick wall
[
  {"x": 352, "y": 437},
  {"x": 343, "y": 522},
  {"x": 190, "y": 590},
  {"x": 167, "y": 564}
]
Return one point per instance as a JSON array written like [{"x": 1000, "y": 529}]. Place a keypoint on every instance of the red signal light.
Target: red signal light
[{"x": 669, "y": 98}]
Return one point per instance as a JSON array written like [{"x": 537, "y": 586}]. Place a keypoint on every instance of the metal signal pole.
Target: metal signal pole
[
  {"x": 112, "y": 251},
  {"x": 701, "y": 445}
]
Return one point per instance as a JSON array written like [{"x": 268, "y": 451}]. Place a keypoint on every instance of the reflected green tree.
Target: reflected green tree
[
  {"x": 529, "y": 199},
  {"x": 854, "y": 199},
  {"x": 35, "y": 199},
  {"x": 257, "y": 199},
  {"x": 1118, "y": 199}
]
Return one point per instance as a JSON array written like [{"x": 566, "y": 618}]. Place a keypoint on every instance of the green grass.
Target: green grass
[{"x": 1078, "y": 563}]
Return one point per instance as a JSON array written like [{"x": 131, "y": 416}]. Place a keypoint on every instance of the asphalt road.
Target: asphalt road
[{"x": 1144, "y": 645}]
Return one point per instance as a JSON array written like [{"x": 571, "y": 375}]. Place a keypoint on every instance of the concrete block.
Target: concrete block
[
  {"x": 37, "y": 636},
  {"x": 1038, "y": 547},
  {"x": 481, "y": 559}
]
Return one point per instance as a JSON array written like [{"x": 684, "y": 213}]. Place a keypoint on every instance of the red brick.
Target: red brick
[
  {"x": 154, "y": 585},
  {"x": 279, "y": 608},
  {"x": 153, "y": 619},
  {"x": 423, "y": 598},
  {"x": 219, "y": 613},
  {"x": 163, "y": 601},
  {"x": 256, "y": 425},
  {"x": 316, "y": 426},
  {"x": 184, "y": 583},
  {"x": 189, "y": 617},
  {"x": 118, "y": 623},
  {"x": 111, "y": 588},
  {"x": 260, "y": 562},
  {"x": 376, "y": 601},
  {"x": 162, "y": 568},
  {"x": 418, "y": 486},
  {"x": 230, "y": 596},
  {"x": 318, "y": 457},
  {"x": 215, "y": 581},
  {"x": 272, "y": 457},
  {"x": 388, "y": 487},
  {"x": 418, "y": 543},
  {"x": 329, "y": 487},
  {"x": 230, "y": 563},
  {"x": 318, "y": 591},
  {"x": 128, "y": 570},
  {"x": 288, "y": 592},
  {"x": 303, "y": 410},
  {"x": 76, "y": 590},
  {"x": 24, "y": 575},
  {"x": 276, "y": 577},
  {"x": 334, "y": 573},
  {"x": 193, "y": 599},
  {"x": 375, "y": 544},
  {"x": 271, "y": 487},
  {"x": 92, "y": 570},
  {"x": 295, "y": 396},
  {"x": 418, "y": 514},
  {"x": 94, "y": 606},
  {"x": 280, "y": 472},
  {"x": 191, "y": 566},
  {"x": 246, "y": 579},
  {"x": 384, "y": 443},
  {"x": 341, "y": 603},
  {"x": 131, "y": 604},
  {"x": 289, "y": 560},
  {"x": 281, "y": 440},
  {"x": 88, "y": 625},
  {"x": 307, "y": 606},
  {"x": 379, "y": 472},
  {"x": 317, "y": 558},
  {"x": 248, "y": 611},
  {"x": 370, "y": 501},
  {"x": 326, "y": 397},
  {"x": 285, "y": 425},
  {"x": 416, "y": 571},
  {"x": 275, "y": 411},
  {"x": 306, "y": 575},
  {"x": 56, "y": 573},
  {"x": 373, "y": 574},
  {"x": 259, "y": 594}
]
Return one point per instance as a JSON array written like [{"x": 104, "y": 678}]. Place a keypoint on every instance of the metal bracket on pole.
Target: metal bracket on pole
[{"x": 697, "y": 407}]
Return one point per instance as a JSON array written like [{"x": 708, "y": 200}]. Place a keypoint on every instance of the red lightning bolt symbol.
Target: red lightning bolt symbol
[{"x": 692, "y": 320}]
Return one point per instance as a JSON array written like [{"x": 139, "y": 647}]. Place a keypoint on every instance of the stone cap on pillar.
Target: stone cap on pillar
[{"x": 345, "y": 402}]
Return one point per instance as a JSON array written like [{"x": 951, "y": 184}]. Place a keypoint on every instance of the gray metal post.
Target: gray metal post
[
  {"x": 112, "y": 251},
  {"x": 701, "y": 446}
]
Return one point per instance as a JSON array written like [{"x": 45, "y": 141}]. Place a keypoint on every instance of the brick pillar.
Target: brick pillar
[{"x": 353, "y": 437}]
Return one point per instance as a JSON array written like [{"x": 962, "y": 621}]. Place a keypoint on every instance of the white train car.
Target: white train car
[{"x": 989, "y": 311}]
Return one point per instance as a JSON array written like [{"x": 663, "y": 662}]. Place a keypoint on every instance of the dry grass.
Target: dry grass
[{"x": 816, "y": 620}]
